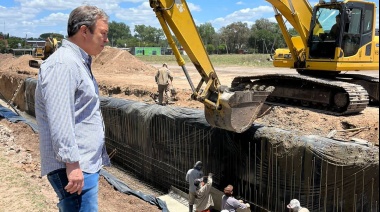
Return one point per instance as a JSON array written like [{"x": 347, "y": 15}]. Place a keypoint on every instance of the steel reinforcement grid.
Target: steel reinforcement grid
[{"x": 267, "y": 166}]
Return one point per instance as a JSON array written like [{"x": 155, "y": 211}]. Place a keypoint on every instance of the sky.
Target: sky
[{"x": 31, "y": 18}]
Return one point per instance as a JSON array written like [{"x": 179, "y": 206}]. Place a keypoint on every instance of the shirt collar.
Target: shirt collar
[{"x": 86, "y": 58}]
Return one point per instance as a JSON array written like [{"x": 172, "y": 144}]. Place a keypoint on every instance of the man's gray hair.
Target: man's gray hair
[{"x": 84, "y": 15}]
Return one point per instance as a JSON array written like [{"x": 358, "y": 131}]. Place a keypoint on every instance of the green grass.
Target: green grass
[{"x": 249, "y": 60}]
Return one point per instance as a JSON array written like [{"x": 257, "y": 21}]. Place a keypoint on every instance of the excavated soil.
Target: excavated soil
[{"x": 121, "y": 75}]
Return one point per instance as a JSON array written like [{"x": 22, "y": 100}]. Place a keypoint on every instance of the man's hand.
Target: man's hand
[{"x": 75, "y": 177}]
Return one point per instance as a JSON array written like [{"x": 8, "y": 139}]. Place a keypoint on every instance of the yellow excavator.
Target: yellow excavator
[
  {"x": 42, "y": 53},
  {"x": 334, "y": 37},
  {"x": 316, "y": 56}
]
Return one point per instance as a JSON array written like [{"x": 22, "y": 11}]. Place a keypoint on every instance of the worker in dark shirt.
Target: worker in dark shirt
[{"x": 335, "y": 29}]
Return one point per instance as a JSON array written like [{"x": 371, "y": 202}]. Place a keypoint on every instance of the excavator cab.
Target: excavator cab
[{"x": 339, "y": 30}]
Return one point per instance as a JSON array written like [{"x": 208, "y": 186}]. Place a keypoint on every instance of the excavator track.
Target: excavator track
[
  {"x": 371, "y": 84},
  {"x": 329, "y": 96}
]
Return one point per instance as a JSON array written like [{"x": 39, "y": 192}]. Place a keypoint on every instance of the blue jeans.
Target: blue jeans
[{"x": 86, "y": 201}]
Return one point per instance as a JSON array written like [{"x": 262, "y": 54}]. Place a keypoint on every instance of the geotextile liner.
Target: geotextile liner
[{"x": 267, "y": 166}]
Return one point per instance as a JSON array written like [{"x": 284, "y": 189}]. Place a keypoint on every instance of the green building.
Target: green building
[{"x": 146, "y": 51}]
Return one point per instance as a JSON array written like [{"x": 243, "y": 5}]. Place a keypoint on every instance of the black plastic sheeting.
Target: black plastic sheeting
[
  {"x": 14, "y": 117},
  {"x": 30, "y": 89},
  {"x": 124, "y": 188},
  {"x": 267, "y": 166}
]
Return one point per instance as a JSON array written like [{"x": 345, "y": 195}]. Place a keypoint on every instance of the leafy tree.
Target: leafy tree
[
  {"x": 3, "y": 48},
  {"x": 206, "y": 32},
  {"x": 148, "y": 35},
  {"x": 265, "y": 36},
  {"x": 4, "y": 36},
  {"x": 235, "y": 36},
  {"x": 210, "y": 48},
  {"x": 14, "y": 41},
  {"x": 118, "y": 32}
]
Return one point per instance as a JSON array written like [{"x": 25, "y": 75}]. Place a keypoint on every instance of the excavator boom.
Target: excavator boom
[
  {"x": 297, "y": 12},
  {"x": 230, "y": 109}
]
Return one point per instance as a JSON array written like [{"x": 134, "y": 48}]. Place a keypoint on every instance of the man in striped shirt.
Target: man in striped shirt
[{"x": 67, "y": 106}]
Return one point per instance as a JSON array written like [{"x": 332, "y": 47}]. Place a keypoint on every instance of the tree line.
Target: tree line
[{"x": 262, "y": 37}]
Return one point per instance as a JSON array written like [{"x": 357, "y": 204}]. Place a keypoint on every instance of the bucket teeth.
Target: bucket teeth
[{"x": 239, "y": 109}]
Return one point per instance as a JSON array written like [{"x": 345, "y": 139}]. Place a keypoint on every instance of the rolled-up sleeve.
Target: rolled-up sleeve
[{"x": 58, "y": 86}]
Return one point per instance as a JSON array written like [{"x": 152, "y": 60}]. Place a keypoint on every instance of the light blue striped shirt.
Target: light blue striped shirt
[{"x": 68, "y": 112}]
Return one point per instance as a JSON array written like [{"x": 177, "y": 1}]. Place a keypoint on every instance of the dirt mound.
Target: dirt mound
[
  {"x": 348, "y": 128},
  {"x": 4, "y": 59},
  {"x": 17, "y": 65},
  {"x": 114, "y": 61},
  {"x": 110, "y": 61}
]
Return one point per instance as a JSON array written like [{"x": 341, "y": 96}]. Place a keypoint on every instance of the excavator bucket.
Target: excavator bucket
[{"x": 239, "y": 109}]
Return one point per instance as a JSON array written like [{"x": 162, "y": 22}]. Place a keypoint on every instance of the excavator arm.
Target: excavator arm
[
  {"x": 298, "y": 13},
  {"x": 42, "y": 53},
  {"x": 230, "y": 109}
]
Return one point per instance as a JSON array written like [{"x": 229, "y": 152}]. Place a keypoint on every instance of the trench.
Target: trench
[{"x": 267, "y": 166}]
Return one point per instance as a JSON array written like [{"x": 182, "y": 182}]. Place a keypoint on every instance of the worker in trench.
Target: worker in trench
[
  {"x": 164, "y": 80},
  {"x": 295, "y": 206},
  {"x": 191, "y": 175},
  {"x": 203, "y": 200},
  {"x": 229, "y": 203}
]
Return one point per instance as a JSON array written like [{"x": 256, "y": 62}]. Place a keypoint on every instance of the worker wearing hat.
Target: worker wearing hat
[
  {"x": 295, "y": 206},
  {"x": 191, "y": 175},
  {"x": 162, "y": 78},
  {"x": 229, "y": 203},
  {"x": 203, "y": 200}
]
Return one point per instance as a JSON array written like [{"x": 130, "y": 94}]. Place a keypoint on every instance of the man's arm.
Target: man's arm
[
  {"x": 187, "y": 176},
  {"x": 206, "y": 188},
  {"x": 170, "y": 76},
  {"x": 236, "y": 204},
  {"x": 58, "y": 83},
  {"x": 156, "y": 76},
  {"x": 75, "y": 176}
]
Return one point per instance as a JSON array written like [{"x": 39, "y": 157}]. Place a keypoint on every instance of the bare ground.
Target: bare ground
[{"x": 121, "y": 75}]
